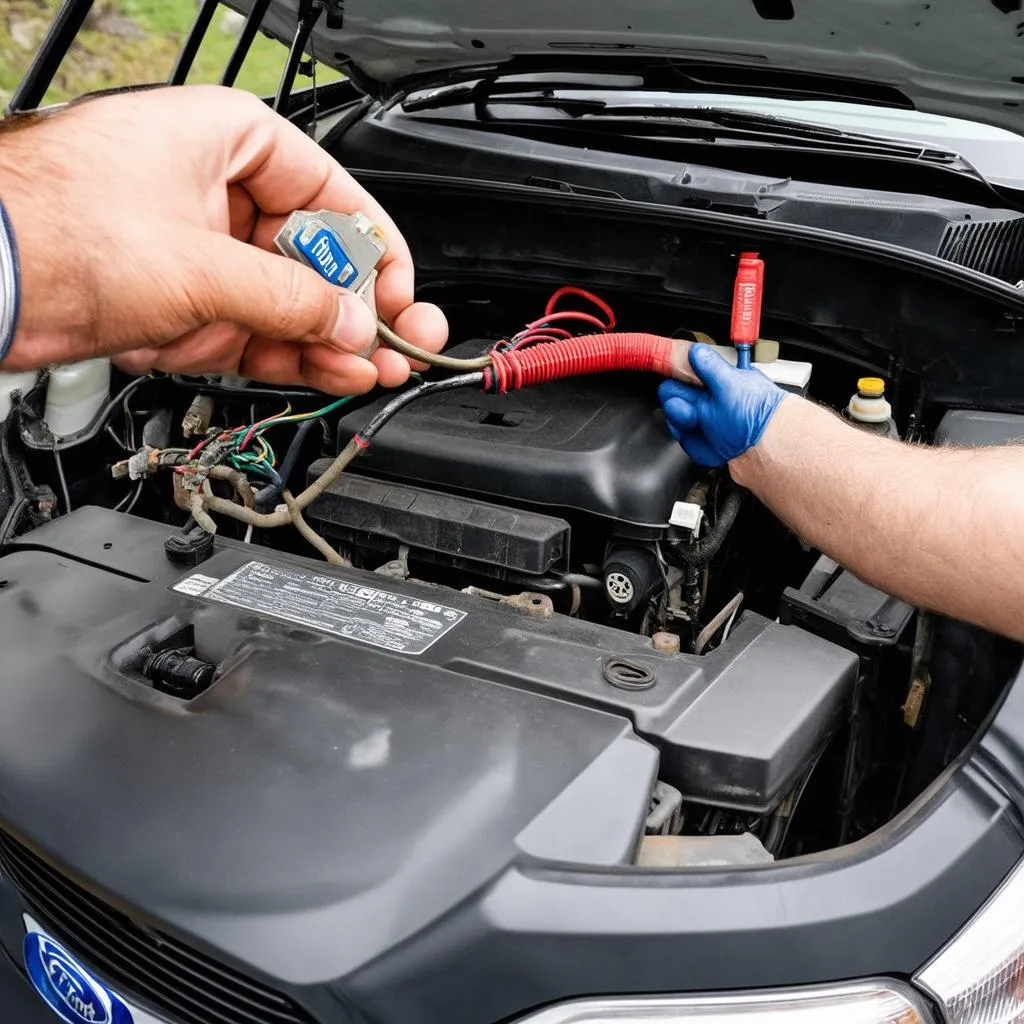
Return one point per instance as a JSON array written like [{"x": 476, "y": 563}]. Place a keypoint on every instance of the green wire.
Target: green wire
[
  {"x": 263, "y": 460},
  {"x": 300, "y": 416}
]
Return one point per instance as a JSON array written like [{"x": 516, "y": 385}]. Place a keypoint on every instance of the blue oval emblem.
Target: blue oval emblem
[{"x": 67, "y": 987}]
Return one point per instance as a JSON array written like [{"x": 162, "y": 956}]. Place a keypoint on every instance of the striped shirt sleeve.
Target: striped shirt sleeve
[{"x": 10, "y": 284}]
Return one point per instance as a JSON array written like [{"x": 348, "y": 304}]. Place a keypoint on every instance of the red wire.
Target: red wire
[
  {"x": 531, "y": 338},
  {"x": 220, "y": 437},
  {"x": 557, "y": 332},
  {"x": 554, "y": 333},
  {"x": 541, "y": 330},
  {"x": 255, "y": 427},
  {"x": 582, "y": 293},
  {"x": 198, "y": 448},
  {"x": 550, "y": 318}
]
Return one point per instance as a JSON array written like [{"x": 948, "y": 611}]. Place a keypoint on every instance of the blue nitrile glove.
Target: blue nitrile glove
[{"x": 721, "y": 420}]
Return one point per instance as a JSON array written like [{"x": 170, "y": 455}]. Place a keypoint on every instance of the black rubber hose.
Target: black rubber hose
[
  {"x": 463, "y": 380},
  {"x": 95, "y": 426},
  {"x": 212, "y": 387},
  {"x": 700, "y": 553},
  {"x": 14, "y": 472},
  {"x": 266, "y": 495},
  {"x": 359, "y": 443},
  {"x": 11, "y": 520},
  {"x": 19, "y": 503}
]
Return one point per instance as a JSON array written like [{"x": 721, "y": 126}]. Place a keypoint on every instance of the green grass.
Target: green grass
[{"x": 101, "y": 60}]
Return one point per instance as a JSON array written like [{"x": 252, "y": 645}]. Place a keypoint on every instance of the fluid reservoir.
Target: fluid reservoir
[
  {"x": 869, "y": 410},
  {"x": 75, "y": 394}
]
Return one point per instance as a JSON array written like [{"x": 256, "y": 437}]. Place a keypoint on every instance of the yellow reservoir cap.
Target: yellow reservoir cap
[{"x": 873, "y": 387}]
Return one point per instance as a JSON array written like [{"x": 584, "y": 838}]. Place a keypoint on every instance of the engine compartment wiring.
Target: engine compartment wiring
[
  {"x": 555, "y": 352},
  {"x": 64, "y": 492},
  {"x": 575, "y": 336},
  {"x": 436, "y": 359},
  {"x": 208, "y": 502}
]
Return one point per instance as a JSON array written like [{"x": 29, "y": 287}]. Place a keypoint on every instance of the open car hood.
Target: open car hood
[{"x": 960, "y": 59}]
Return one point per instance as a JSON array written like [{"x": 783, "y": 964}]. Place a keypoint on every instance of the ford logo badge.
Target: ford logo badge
[{"x": 67, "y": 987}]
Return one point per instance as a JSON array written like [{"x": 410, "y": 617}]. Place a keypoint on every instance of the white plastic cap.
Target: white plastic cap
[{"x": 686, "y": 514}]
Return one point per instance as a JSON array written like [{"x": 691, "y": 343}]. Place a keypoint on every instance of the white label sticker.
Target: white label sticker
[
  {"x": 381, "y": 618},
  {"x": 195, "y": 585}
]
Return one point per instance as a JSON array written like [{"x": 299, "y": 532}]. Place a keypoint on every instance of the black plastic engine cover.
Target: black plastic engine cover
[
  {"x": 371, "y": 754},
  {"x": 596, "y": 445},
  {"x": 366, "y": 510}
]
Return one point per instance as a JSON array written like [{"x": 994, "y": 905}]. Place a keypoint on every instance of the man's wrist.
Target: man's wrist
[
  {"x": 10, "y": 284},
  {"x": 746, "y": 469},
  {"x": 750, "y": 468}
]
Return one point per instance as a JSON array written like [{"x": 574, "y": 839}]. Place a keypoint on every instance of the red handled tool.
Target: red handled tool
[{"x": 746, "y": 306}]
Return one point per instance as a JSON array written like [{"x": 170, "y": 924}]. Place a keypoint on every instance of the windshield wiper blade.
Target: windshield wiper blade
[
  {"x": 784, "y": 127},
  {"x": 710, "y": 123},
  {"x": 712, "y": 126},
  {"x": 544, "y": 85},
  {"x": 542, "y": 90},
  {"x": 670, "y": 121},
  {"x": 574, "y": 106}
]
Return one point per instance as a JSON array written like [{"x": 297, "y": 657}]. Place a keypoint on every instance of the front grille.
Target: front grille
[
  {"x": 994, "y": 247},
  {"x": 173, "y": 979}
]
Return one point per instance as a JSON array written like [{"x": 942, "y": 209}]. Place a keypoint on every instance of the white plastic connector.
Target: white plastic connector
[{"x": 687, "y": 515}]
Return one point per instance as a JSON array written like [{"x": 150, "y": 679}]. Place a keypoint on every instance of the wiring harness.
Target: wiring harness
[
  {"x": 547, "y": 349},
  {"x": 247, "y": 450}
]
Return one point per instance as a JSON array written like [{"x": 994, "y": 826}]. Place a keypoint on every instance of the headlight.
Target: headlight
[
  {"x": 870, "y": 1002},
  {"x": 979, "y": 976}
]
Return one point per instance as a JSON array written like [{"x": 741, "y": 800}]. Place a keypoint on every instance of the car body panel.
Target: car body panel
[
  {"x": 549, "y": 919},
  {"x": 956, "y": 59}
]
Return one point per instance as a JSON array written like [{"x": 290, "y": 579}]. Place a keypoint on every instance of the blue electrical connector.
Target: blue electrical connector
[{"x": 342, "y": 248}]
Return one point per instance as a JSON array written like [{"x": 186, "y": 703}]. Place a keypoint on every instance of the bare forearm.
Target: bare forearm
[
  {"x": 940, "y": 528},
  {"x": 31, "y": 191}
]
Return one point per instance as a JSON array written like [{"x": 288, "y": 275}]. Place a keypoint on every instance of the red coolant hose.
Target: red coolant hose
[{"x": 592, "y": 353}]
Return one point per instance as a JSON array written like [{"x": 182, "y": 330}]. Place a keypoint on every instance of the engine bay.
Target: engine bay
[{"x": 553, "y": 539}]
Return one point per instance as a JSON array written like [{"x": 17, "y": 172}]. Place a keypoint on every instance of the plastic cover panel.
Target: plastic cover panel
[
  {"x": 596, "y": 445},
  {"x": 436, "y": 837}
]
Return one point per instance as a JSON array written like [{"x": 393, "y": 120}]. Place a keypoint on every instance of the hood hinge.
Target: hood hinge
[{"x": 335, "y": 14}]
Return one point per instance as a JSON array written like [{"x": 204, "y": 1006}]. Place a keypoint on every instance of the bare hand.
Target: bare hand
[{"x": 133, "y": 216}]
